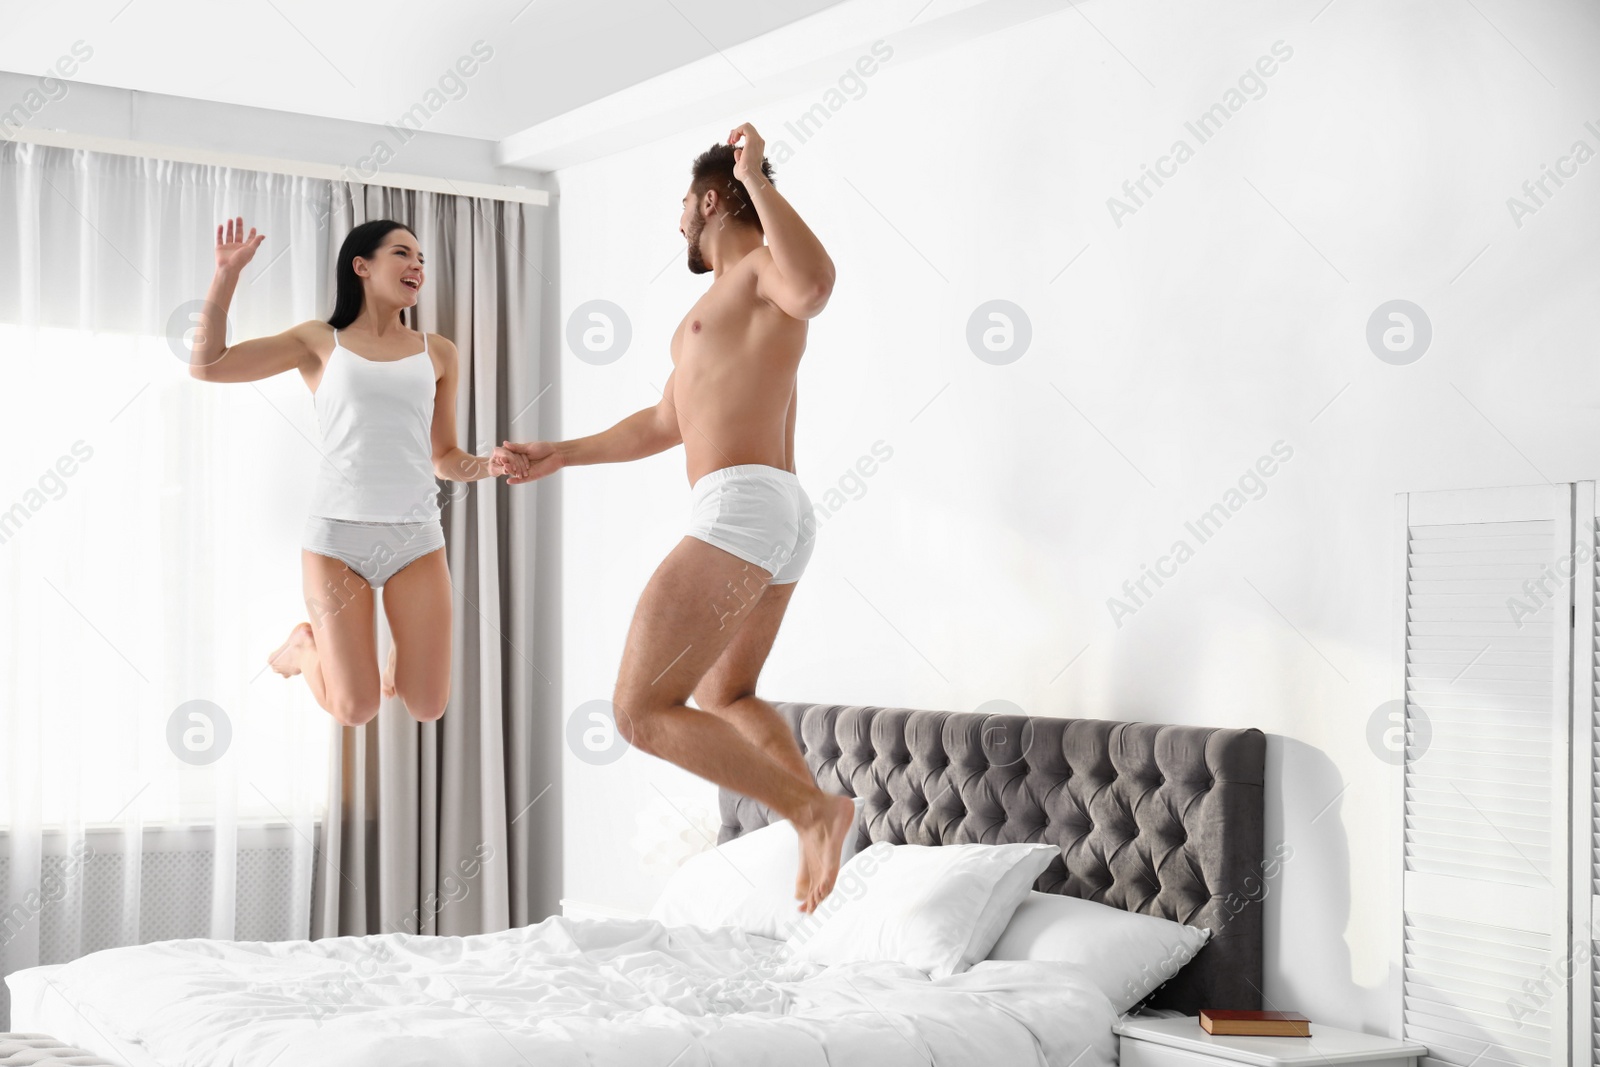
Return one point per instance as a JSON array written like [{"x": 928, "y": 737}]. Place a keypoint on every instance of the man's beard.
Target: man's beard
[{"x": 697, "y": 262}]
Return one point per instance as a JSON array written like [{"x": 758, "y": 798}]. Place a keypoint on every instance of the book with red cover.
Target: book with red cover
[{"x": 1255, "y": 1023}]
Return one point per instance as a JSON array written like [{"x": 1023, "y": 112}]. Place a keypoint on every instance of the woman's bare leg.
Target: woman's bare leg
[
  {"x": 337, "y": 650},
  {"x": 387, "y": 685},
  {"x": 417, "y": 603}
]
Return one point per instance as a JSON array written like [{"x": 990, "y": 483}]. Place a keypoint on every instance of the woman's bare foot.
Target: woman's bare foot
[
  {"x": 388, "y": 674},
  {"x": 802, "y": 879},
  {"x": 286, "y": 660},
  {"x": 822, "y": 839}
]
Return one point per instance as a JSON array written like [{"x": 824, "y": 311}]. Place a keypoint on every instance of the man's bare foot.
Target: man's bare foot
[
  {"x": 286, "y": 660},
  {"x": 388, "y": 674},
  {"x": 822, "y": 840}
]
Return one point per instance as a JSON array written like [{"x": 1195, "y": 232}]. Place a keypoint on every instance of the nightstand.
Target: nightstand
[{"x": 1181, "y": 1043}]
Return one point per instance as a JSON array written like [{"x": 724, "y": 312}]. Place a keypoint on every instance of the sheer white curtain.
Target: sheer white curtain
[{"x": 158, "y": 780}]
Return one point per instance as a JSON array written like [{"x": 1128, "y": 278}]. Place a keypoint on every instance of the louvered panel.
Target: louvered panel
[
  {"x": 1521, "y": 833},
  {"x": 1512, "y": 808},
  {"x": 1505, "y": 710},
  {"x": 1593, "y": 586},
  {"x": 1466, "y": 992},
  {"x": 1497, "y": 696},
  {"x": 1464, "y": 863},
  {"x": 1536, "y": 674},
  {"x": 1585, "y": 992},
  {"x": 1498, "y": 655},
  {"x": 1461, "y": 633},
  {"x": 1506, "y": 813},
  {"x": 1511, "y": 719},
  {"x": 1484, "y": 848},
  {"x": 1511, "y": 794},
  {"x": 1519, "y": 643},
  {"x": 1453, "y": 802},
  {"x": 1489, "y": 726},
  {"x": 1473, "y": 539},
  {"x": 1513, "y": 740},
  {"x": 1485, "y": 751},
  {"x": 1593, "y": 1029},
  {"x": 1520, "y": 533}
]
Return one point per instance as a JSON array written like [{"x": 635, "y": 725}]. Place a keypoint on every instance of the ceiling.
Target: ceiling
[
  {"x": 549, "y": 83},
  {"x": 373, "y": 63}
]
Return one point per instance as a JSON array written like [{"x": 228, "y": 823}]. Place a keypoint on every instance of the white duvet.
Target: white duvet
[{"x": 594, "y": 993}]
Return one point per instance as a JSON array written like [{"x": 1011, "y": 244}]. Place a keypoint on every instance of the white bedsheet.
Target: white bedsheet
[
  {"x": 594, "y": 993},
  {"x": 37, "y": 1008}
]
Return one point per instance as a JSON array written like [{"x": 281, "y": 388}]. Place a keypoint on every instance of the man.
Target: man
[{"x": 708, "y": 616}]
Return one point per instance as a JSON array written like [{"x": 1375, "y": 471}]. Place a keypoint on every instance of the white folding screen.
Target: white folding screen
[
  {"x": 1487, "y": 674},
  {"x": 1583, "y": 958}
]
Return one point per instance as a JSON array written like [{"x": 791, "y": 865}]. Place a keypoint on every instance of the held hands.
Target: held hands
[
  {"x": 747, "y": 157},
  {"x": 504, "y": 462},
  {"x": 234, "y": 249},
  {"x": 536, "y": 458}
]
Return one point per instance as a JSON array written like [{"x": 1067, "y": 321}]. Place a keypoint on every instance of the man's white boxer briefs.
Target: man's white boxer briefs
[{"x": 760, "y": 514}]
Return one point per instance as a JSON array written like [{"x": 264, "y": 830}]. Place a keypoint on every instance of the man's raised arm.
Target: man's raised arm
[{"x": 800, "y": 279}]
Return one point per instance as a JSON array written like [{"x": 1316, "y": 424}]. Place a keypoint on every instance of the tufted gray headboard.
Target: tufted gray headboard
[{"x": 1163, "y": 820}]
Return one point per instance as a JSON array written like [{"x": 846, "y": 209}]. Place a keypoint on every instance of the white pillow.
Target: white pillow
[
  {"x": 1127, "y": 953},
  {"x": 938, "y": 908},
  {"x": 747, "y": 882}
]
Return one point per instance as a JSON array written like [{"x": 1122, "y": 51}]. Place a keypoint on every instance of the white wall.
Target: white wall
[{"x": 1226, "y": 314}]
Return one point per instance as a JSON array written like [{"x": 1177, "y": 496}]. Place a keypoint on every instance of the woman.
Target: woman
[{"x": 385, "y": 402}]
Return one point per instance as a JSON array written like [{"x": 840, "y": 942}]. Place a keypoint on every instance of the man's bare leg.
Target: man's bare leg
[
  {"x": 728, "y": 691},
  {"x": 690, "y": 610}
]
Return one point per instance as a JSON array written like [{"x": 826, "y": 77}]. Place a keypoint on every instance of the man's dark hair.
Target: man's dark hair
[{"x": 714, "y": 170}]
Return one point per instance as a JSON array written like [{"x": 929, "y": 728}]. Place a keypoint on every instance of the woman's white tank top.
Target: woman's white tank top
[{"x": 376, "y": 420}]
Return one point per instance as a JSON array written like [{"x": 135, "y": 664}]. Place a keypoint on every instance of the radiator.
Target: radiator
[{"x": 174, "y": 890}]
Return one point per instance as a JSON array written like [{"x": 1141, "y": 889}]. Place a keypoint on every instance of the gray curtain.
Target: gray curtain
[{"x": 453, "y": 827}]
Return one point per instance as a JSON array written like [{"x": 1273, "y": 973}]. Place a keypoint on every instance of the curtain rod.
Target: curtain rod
[{"x": 296, "y": 168}]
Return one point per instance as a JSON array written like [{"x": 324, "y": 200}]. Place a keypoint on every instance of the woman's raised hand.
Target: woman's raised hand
[{"x": 234, "y": 248}]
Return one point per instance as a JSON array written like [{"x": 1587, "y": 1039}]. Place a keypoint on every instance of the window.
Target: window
[{"x": 149, "y": 562}]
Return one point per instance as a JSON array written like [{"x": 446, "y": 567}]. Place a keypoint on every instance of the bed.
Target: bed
[{"x": 1164, "y": 820}]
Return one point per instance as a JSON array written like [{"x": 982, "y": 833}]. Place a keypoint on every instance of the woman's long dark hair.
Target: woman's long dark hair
[{"x": 362, "y": 241}]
